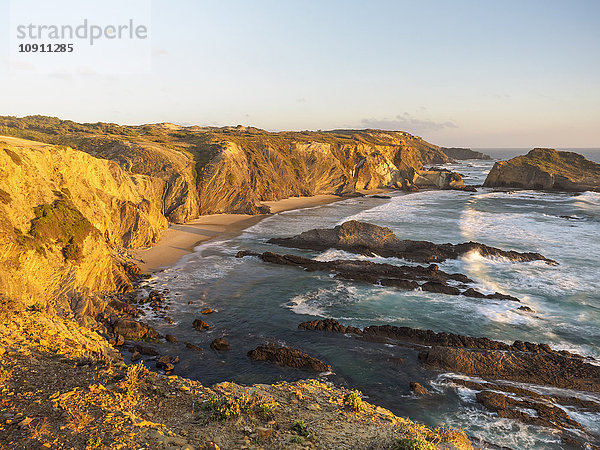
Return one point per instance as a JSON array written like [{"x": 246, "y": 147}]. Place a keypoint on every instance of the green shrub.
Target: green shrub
[
  {"x": 353, "y": 401},
  {"x": 295, "y": 439},
  {"x": 300, "y": 428},
  {"x": 413, "y": 444}
]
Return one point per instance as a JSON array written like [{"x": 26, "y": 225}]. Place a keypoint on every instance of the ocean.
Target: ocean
[{"x": 257, "y": 303}]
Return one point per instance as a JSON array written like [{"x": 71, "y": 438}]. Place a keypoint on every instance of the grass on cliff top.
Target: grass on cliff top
[{"x": 562, "y": 163}]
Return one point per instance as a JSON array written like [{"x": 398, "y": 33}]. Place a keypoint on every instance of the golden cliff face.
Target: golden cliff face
[{"x": 62, "y": 214}]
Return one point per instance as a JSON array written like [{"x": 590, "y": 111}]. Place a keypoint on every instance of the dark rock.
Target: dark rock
[
  {"x": 418, "y": 388},
  {"x": 290, "y": 357},
  {"x": 552, "y": 369},
  {"x": 145, "y": 350},
  {"x": 507, "y": 407},
  {"x": 135, "y": 356},
  {"x": 169, "y": 320},
  {"x": 201, "y": 325},
  {"x": 496, "y": 295},
  {"x": 403, "y": 277},
  {"x": 170, "y": 338},
  {"x": 434, "y": 286},
  {"x": 125, "y": 308},
  {"x": 383, "y": 197},
  {"x": 365, "y": 238},
  {"x": 191, "y": 346},
  {"x": 220, "y": 344},
  {"x": 525, "y": 308}
]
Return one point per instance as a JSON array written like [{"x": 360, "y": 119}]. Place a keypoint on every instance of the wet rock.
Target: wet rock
[
  {"x": 403, "y": 277},
  {"x": 552, "y": 369},
  {"x": 220, "y": 344},
  {"x": 145, "y": 350},
  {"x": 383, "y": 197},
  {"x": 496, "y": 295},
  {"x": 201, "y": 325},
  {"x": 418, "y": 388},
  {"x": 365, "y": 238},
  {"x": 207, "y": 311},
  {"x": 290, "y": 357},
  {"x": 194, "y": 347},
  {"x": 510, "y": 408},
  {"x": 440, "y": 288},
  {"x": 135, "y": 356},
  {"x": 525, "y": 309},
  {"x": 170, "y": 338}
]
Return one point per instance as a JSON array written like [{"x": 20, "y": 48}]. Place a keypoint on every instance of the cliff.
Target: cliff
[
  {"x": 546, "y": 169},
  {"x": 63, "y": 217},
  {"x": 233, "y": 169},
  {"x": 464, "y": 153}
]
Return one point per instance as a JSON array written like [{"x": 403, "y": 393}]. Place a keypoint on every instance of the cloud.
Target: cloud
[{"x": 406, "y": 122}]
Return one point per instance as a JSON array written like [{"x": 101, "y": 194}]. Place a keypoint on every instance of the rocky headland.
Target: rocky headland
[
  {"x": 459, "y": 153},
  {"x": 546, "y": 169}
]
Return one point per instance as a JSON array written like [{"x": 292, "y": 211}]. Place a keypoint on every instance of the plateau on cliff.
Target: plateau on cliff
[
  {"x": 464, "y": 153},
  {"x": 546, "y": 169}
]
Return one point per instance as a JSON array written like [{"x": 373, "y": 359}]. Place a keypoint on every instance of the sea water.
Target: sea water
[{"x": 257, "y": 303}]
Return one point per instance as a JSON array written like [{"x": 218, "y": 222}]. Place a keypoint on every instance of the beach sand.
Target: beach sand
[{"x": 180, "y": 239}]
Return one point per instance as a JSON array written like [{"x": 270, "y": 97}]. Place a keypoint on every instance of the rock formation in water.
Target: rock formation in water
[
  {"x": 464, "y": 153},
  {"x": 521, "y": 361},
  {"x": 546, "y": 169},
  {"x": 429, "y": 279},
  {"x": 368, "y": 239},
  {"x": 290, "y": 357}
]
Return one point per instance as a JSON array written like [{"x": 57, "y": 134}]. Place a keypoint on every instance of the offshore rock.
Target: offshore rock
[
  {"x": 290, "y": 357},
  {"x": 368, "y": 239},
  {"x": 546, "y": 169},
  {"x": 403, "y": 277}
]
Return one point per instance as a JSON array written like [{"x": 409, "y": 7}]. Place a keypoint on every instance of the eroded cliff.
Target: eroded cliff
[{"x": 546, "y": 169}]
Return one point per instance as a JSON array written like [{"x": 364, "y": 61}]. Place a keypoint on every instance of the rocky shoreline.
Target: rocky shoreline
[{"x": 494, "y": 363}]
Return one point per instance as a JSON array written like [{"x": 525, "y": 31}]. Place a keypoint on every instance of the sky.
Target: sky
[{"x": 466, "y": 73}]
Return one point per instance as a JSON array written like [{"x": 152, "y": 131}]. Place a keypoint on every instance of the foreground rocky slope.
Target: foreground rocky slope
[
  {"x": 62, "y": 386},
  {"x": 546, "y": 169}
]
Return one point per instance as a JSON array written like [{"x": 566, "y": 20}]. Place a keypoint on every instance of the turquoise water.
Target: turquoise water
[{"x": 256, "y": 303}]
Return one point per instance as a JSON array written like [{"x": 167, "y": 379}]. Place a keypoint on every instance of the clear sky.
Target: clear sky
[{"x": 474, "y": 73}]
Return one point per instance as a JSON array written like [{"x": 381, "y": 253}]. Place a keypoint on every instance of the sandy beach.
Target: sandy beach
[{"x": 180, "y": 239}]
